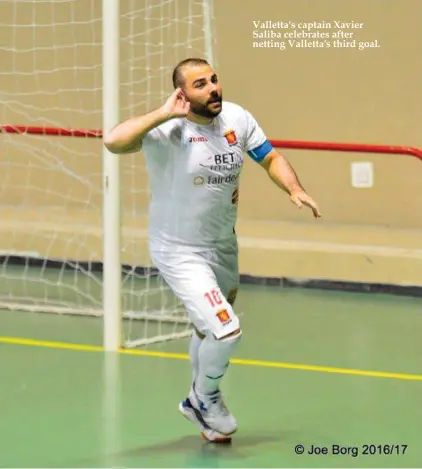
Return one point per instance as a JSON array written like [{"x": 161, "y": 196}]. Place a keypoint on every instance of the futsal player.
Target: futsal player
[{"x": 194, "y": 146}]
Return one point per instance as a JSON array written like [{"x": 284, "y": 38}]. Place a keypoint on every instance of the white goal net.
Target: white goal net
[{"x": 51, "y": 196}]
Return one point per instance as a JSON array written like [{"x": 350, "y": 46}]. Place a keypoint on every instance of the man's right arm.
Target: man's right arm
[{"x": 127, "y": 136}]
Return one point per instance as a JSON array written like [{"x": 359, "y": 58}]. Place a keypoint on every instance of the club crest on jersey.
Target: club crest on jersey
[{"x": 231, "y": 137}]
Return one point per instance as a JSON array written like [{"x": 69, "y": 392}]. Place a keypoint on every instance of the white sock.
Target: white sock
[
  {"x": 214, "y": 356},
  {"x": 195, "y": 342}
]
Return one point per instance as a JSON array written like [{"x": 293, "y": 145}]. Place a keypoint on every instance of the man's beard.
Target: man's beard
[{"x": 203, "y": 110}]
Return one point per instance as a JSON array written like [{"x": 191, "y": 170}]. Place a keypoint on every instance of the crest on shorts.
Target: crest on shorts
[
  {"x": 231, "y": 137},
  {"x": 223, "y": 316}
]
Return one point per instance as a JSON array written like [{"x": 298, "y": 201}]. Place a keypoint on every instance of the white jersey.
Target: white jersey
[{"x": 194, "y": 174}]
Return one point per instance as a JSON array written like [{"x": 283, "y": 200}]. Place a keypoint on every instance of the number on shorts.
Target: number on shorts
[{"x": 214, "y": 298}]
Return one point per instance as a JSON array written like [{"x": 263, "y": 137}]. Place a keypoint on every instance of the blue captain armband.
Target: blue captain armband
[{"x": 259, "y": 153}]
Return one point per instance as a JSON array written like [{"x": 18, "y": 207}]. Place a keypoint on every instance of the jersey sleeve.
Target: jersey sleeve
[
  {"x": 256, "y": 144},
  {"x": 152, "y": 138},
  {"x": 163, "y": 136}
]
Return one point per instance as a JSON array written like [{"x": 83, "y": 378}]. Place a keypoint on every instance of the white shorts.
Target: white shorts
[{"x": 206, "y": 282}]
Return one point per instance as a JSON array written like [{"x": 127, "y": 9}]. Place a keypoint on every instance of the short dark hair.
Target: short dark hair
[{"x": 178, "y": 80}]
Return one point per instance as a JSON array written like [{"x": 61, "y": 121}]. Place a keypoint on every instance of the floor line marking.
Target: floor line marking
[{"x": 236, "y": 361}]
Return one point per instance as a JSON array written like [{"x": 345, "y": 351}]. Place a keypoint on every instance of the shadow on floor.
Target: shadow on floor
[{"x": 198, "y": 452}]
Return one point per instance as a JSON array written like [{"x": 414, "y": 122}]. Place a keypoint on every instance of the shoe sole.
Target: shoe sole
[
  {"x": 222, "y": 440},
  {"x": 208, "y": 434}
]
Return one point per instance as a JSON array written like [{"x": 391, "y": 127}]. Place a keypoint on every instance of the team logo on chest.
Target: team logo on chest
[{"x": 231, "y": 137}]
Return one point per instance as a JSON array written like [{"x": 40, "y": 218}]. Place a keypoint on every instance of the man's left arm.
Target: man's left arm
[
  {"x": 278, "y": 168},
  {"x": 284, "y": 176}
]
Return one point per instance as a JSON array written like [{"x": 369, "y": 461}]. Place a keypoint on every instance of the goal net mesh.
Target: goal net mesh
[{"x": 51, "y": 192}]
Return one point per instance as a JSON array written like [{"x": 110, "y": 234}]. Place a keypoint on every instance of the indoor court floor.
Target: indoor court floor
[{"x": 314, "y": 368}]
